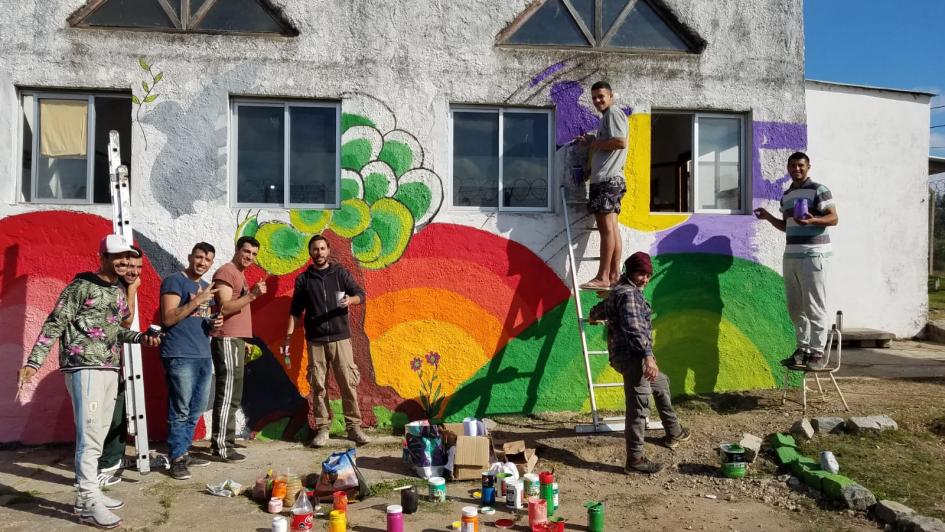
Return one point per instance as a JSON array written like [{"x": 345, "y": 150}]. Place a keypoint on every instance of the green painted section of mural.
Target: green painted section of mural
[
  {"x": 546, "y": 356},
  {"x": 397, "y": 155},
  {"x": 377, "y": 213}
]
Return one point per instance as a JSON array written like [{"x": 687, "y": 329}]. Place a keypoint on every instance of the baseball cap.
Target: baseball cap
[{"x": 113, "y": 244}]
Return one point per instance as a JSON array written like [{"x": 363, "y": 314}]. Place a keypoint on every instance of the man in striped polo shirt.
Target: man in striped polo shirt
[{"x": 805, "y": 259}]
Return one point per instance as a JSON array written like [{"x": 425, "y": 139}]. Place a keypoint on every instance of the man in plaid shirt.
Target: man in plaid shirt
[{"x": 630, "y": 344}]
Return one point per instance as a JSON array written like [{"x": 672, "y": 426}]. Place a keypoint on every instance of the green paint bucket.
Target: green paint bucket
[
  {"x": 732, "y": 458},
  {"x": 595, "y": 516}
]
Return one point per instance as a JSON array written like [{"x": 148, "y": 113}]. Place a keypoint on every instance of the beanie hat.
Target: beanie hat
[{"x": 639, "y": 262}]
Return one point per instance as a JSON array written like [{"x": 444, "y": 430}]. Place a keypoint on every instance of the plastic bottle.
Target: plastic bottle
[
  {"x": 395, "y": 518},
  {"x": 279, "y": 524},
  {"x": 339, "y": 501},
  {"x": 555, "y": 495},
  {"x": 470, "y": 520},
  {"x": 302, "y": 513},
  {"x": 337, "y": 521},
  {"x": 546, "y": 490},
  {"x": 537, "y": 511}
]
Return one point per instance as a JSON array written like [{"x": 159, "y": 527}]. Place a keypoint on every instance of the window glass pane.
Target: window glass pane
[
  {"x": 585, "y": 10},
  {"x": 312, "y": 148},
  {"x": 551, "y": 24},
  {"x": 175, "y": 6},
  {"x": 525, "y": 160},
  {"x": 130, "y": 14},
  {"x": 110, "y": 113},
  {"x": 239, "y": 15},
  {"x": 259, "y": 154},
  {"x": 26, "y": 175},
  {"x": 719, "y": 163},
  {"x": 195, "y": 6},
  {"x": 475, "y": 159},
  {"x": 643, "y": 28},
  {"x": 62, "y": 162},
  {"x": 610, "y": 10},
  {"x": 670, "y": 162}
]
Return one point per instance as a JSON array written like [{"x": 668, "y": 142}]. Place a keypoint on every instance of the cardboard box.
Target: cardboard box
[
  {"x": 516, "y": 453},
  {"x": 473, "y": 453}
]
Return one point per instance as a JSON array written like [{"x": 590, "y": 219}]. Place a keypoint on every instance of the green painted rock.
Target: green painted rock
[
  {"x": 786, "y": 455},
  {"x": 782, "y": 440}
]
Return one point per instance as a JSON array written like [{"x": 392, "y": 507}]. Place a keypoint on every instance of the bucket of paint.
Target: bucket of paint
[
  {"x": 514, "y": 494},
  {"x": 437, "y": 489},
  {"x": 470, "y": 519},
  {"x": 732, "y": 458},
  {"x": 537, "y": 511},
  {"x": 532, "y": 485},
  {"x": 595, "y": 516},
  {"x": 408, "y": 499},
  {"x": 801, "y": 209}
]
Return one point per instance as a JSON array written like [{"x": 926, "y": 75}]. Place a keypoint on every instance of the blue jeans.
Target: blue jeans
[{"x": 188, "y": 382}]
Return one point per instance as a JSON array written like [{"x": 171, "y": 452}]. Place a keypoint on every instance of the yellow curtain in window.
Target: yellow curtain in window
[{"x": 63, "y": 128}]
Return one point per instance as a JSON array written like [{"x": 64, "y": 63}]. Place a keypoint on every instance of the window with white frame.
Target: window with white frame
[
  {"x": 712, "y": 181},
  {"x": 64, "y": 145},
  {"x": 285, "y": 153},
  {"x": 501, "y": 158}
]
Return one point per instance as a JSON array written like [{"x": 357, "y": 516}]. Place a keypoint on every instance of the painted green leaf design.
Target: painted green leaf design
[
  {"x": 366, "y": 247},
  {"x": 351, "y": 219},
  {"x": 398, "y": 155},
  {"x": 151, "y": 98},
  {"x": 355, "y": 154},
  {"x": 135, "y": 100},
  {"x": 349, "y": 120},
  {"x": 143, "y": 64},
  {"x": 248, "y": 227},
  {"x": 144, "y": 85},
  {"x": 350, "y": 189},
  {"x": 416, "y": 196},
  {"x": 375, "y": 187},
  {"x": 394, "y": 224},
  {"x": 309, "y": 220},
  {"x": 159, "y": 77},
  {"x": 283, "y": 248}
]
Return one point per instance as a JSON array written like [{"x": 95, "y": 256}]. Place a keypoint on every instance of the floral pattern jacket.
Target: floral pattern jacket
[{"x": 87, "y": 322}]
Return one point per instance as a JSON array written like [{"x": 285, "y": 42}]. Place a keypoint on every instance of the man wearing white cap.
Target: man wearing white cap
[{"x": 87, "y": 322}]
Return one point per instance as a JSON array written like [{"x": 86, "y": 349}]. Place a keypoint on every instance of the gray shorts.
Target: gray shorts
[{"x": 605, "y": 197}]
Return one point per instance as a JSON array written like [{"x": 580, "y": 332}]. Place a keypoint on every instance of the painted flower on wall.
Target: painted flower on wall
[
  {"x": 386, "y": 195},
  {"x": 431, "y": 390}
]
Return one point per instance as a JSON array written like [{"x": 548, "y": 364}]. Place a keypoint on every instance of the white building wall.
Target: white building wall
[{"x": 870, "y": 147}]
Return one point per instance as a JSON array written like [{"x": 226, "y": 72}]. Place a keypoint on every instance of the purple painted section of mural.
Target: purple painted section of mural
[
  {"x": 721, "y": 234},
  {"x": 544, "y": 74},
  {"x": 773, "y": 136},
  {"x": 573, "y": 119}
]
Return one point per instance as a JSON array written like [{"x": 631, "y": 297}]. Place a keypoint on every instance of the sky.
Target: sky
[{"x": 896, "y": 44}]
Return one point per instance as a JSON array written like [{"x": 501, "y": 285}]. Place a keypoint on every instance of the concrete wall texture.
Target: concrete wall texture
[{"x": 485, "y": 290}]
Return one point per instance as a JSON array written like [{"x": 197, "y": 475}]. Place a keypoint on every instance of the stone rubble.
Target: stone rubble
[
  {"x": 890, "y": 511},
  {"x": 871, "y": 423},
  {"x": 828, "y": 424},
  {"x": 802, "y": 429}
]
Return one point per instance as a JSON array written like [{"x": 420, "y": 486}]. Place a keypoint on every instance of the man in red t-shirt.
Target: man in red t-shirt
[{"x": 228, "y": 345}]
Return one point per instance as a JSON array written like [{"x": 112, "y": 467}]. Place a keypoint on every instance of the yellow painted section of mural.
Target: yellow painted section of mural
[
  {"x": 409, "y": 323},
  {"x": 739, "y": 365},
  {"x": 635, "y": 209}
]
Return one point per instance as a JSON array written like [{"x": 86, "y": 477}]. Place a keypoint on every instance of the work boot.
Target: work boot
[
  {"x": 97, "y": 514},
  {"x": 644, "y": 465},
  {"x": 797, "y": 359},
  {"x": 673, "y": 441},
  {"x": 321, "y": 437},
  {"x": 110, "y": 503},
  {"x": 358, "y": 436},
  {"x": 179, "y": 469},
  {"x": 816, "y": 361}
]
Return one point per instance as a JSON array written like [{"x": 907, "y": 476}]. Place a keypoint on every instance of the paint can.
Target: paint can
[
  {"x": 408, "y": 499},
  {"x": 470, "y": 520},
  {"x": 279, "y": 524},
  {"x": 437, "y": 489},
  {"x": 514, "y": 494},
  {"x": 595, "y": 516},
  {"x": 532, "y": 485},
  {"x": 275, "y": 505},
  {"x": 546, "y": 489},
  {"x": 337, "y": 521},
  {"x": 732, "y": 457},
  {"x": 537, "y": 511},
  {"x": 395, "y": 518}
]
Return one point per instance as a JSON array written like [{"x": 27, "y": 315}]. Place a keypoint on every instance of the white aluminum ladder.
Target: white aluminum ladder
[
  {"x": 598, "y": 422},
  {"x": 132, "y": 367}
]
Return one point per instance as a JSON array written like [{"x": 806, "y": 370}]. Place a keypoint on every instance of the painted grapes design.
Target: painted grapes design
[{"x": 386, "y": 196}]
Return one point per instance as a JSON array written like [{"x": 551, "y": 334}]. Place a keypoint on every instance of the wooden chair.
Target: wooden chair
[{"x": 835, "y": 336}]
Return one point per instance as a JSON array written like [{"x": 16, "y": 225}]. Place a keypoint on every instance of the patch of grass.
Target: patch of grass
[
  {"x": 906, "y": 466},
  {"x": 386, "y": 488}
]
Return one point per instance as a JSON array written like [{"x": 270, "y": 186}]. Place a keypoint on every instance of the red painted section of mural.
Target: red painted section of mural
[{"x": 39, "y": 254}]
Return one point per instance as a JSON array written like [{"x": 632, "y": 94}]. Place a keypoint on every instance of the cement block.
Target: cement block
[
  {"x": 752, "y": 445},
  {"x": 786, "y": 455},
  {"x": 920, "y": 523},
  {"x": 813, "y": 478},
  {"x": 827, "y": 424},
  {"x": 833, "y": 485},
  {"x": 857, "y": 497},
  {"x": 890, "y": 511},
  {"x": 802, "y": 429},
  {"x": 871, "y": 424},
  {"x": 782, "y": 440},
  {"x": 804, "y": 463}
]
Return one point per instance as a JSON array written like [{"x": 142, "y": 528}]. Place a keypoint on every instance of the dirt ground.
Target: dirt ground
[{"x": 36, "y": 483}]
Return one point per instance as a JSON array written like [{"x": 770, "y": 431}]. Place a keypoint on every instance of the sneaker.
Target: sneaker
[
  {"x": 797, "y": 359},
  {"x": 106, "y": 478},
  {"x": 816, "y": 361},
  {"x": 321, "y": 437},
  {"x": 98, "y": 515},
  {"x": 111, "y": 469},
  {"x": 232, "y": 457},
  {"x": 110, "y": 503},
  {"x": 196, "y": 461},
  {"x": 643, "y": 466},
  {"x": 673, "y": 441},
  {"x": 358, "y": 436},
  {"x": 179, "y": 469}
]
